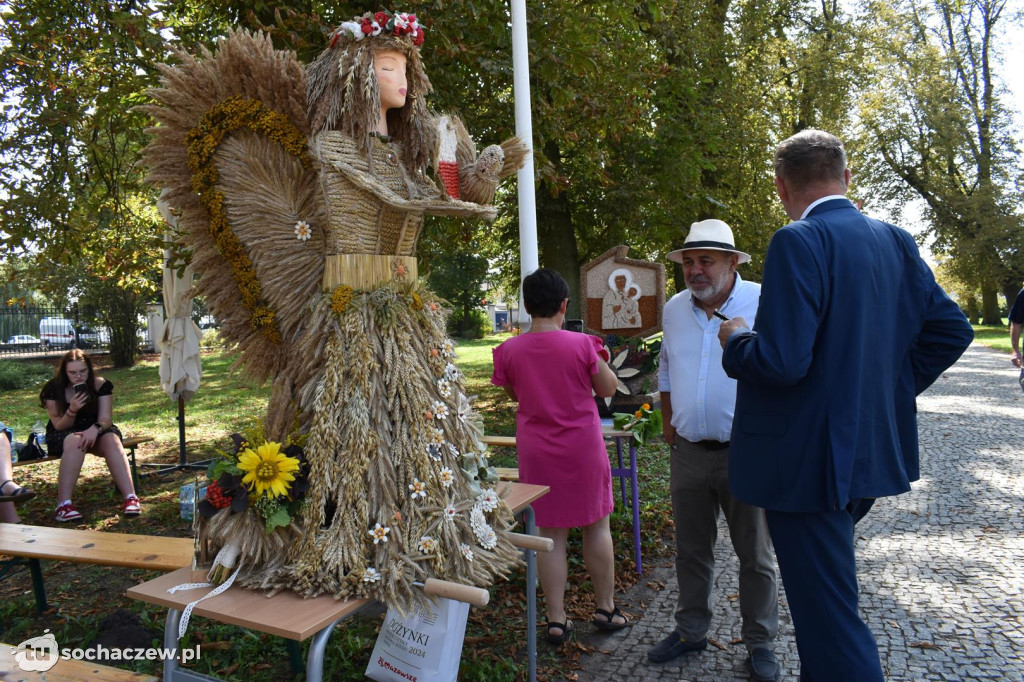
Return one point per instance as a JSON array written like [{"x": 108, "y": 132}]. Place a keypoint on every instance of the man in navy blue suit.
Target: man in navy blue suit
[{"x": 851, "y": 327}]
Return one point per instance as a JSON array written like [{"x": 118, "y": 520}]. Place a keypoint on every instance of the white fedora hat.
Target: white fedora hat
[{"x": 712, "y": 235}]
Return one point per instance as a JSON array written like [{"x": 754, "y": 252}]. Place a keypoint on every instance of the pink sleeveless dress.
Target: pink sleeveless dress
[{"x": 558, "y": 430}]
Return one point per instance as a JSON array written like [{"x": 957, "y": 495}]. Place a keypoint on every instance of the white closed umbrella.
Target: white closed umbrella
[{"x": 181, "y": 367}]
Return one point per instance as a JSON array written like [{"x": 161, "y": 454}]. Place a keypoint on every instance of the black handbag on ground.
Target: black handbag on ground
[{"x": 30, "y": 450}]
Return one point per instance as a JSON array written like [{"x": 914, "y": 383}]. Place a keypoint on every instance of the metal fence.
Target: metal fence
[{"x": 39, "y": 330}]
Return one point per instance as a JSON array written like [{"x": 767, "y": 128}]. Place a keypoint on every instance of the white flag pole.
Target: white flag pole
[{"x": 528, "y": 258}]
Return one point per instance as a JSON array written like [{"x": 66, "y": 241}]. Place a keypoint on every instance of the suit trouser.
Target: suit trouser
[
  {"x": 700, "y": 487},
  {"x": 819, "y": 570}
]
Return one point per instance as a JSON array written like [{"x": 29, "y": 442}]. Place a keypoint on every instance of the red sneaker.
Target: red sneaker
[
  {"x": 132, "y": 506},
  {"x": 67, "y": 512}
]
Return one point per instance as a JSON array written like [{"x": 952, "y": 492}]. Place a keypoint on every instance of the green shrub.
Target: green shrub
[
  {"x": 211, "y": 339},
  {"x": 15, "y": 375},
  {"x": 476, "y": 326}
]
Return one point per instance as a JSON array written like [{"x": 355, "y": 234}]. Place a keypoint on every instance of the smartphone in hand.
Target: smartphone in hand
[
  {"x": 573, "y": 325},
  {"x": 79, "y": 388}
]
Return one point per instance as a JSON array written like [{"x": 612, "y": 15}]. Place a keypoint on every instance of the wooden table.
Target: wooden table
[
  {"x": 293, "y": 617},
  {"x": 622, "y": 472}
]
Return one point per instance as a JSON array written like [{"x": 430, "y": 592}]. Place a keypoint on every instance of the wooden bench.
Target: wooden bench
[
  {"x": 66, "y": 670},
  {"x": 28, "y": 544},
  {"x": 129, "y": 444}
]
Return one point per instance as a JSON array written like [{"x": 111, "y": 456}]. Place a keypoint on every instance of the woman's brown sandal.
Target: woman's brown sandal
[
  {"x": 567, "y": 629},
  {"x": 19, "y": 494},
  {"x": 610, "y": 623}
]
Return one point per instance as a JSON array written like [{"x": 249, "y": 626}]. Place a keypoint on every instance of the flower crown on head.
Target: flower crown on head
[{"x": 391, "y": 24}]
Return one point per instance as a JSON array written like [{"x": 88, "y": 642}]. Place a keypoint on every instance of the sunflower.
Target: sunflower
[{"x": 268, "y": 469}]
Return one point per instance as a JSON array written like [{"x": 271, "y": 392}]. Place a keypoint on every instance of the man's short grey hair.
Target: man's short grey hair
[{"x": 810, "y": 157}]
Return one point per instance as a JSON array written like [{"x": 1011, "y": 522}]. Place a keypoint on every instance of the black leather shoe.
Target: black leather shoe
[
  {"x": 763, "y": 665},
  {"x": 673, "y": 646}
]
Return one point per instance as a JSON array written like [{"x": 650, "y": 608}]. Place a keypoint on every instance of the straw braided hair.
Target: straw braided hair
[{"x": 342, "y": 94}]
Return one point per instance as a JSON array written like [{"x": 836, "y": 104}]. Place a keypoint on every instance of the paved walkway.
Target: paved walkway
[{"x": 941, "y": 568}]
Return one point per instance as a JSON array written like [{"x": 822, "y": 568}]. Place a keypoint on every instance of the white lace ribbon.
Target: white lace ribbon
[{"x": 187, "y": 612}]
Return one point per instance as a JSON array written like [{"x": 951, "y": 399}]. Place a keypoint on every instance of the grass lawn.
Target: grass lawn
[
  {"x": 994, "y": 336},
  {"x": 82, "y": 596}
]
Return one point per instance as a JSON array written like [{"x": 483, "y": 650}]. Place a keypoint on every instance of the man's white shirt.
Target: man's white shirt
[
  {"x": 822, "y": 200},
  {"x": 690, "y": 364}
]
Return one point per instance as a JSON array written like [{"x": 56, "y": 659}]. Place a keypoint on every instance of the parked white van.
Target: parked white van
[{"x": 56, "y": 332}]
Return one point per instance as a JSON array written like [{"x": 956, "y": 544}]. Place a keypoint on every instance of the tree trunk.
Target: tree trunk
[
  {"x": 1010, "y": 291},
  {"x": 122, "y": 310},
  {"x": 970, "y": 308},
  {"x": 990, "y": 305},
  {"x": 556, "y": 238}
]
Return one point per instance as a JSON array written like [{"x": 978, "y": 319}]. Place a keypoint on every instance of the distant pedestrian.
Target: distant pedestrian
[
  {"x": 851, "y": 327},
  {"x": 699, "y": 399},
  {"x": 551, "y": 373},
  {"x": 1016, "y": 322}
]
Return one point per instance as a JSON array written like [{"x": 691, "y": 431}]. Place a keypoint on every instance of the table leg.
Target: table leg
[
  {"x": 38, "y": 585},
  {"x": 170, "y": 642},
  {"x": 634, "y": 475},
  {"x": 618, "y": 452},
  {"x": 315, "y": 657},
  {"x": 531, "y": 597}
]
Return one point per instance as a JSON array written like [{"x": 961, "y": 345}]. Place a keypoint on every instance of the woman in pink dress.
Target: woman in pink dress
[{"x": 551, "y": 372}]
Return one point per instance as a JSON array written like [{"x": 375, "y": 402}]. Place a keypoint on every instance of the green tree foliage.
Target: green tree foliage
[
  {"x": 933, "y": 126},
  {"x": 458, "y": 275},
  {"x": 647, "y": 115},
  {"x": 74, "y": 205}
]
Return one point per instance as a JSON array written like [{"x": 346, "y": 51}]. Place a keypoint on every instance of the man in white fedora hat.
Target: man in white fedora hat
[{"x": 700, "y": 398}]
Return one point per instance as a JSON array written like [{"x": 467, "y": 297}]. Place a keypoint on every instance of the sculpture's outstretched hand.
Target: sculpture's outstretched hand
[{"x": 478, "y": 175}]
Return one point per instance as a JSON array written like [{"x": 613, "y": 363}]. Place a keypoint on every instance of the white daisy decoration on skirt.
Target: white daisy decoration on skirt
[
  {"x": 418, "y": 488},
  {"x": 488, "y": 500},
  {"x": 379, "y": 533},
  {"x": 489, "y": 539},
  {"x": 303, "y": 231}
]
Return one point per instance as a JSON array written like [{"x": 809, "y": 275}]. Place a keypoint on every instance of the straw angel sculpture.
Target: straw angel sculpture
[{"x": 302, "y": 193}]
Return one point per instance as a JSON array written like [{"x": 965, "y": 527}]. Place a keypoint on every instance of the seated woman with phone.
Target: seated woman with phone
[{"x": 80, "y": 405}]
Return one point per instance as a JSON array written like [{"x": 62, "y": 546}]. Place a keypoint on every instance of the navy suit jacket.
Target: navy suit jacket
[{"x": 851, "y": 327}]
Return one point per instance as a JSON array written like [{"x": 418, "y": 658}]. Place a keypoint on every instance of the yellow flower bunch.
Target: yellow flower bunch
[
  {"x": 268, "y": 470},
  {"x": 341, "y": 298},
  {"x": 202, "y": 142},
  {"x": 417, "y": 302}
]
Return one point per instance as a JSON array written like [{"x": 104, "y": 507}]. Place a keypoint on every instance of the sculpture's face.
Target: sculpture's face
[
  {"x": 620, "y": 282},
  {"x": 389, "y": 66}
]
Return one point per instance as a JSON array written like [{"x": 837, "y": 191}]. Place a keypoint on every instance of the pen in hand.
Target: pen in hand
[{"x": 720, "y": 316}]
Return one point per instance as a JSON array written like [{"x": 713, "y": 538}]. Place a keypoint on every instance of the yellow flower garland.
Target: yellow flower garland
[{"x": 202, "y": 142}]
